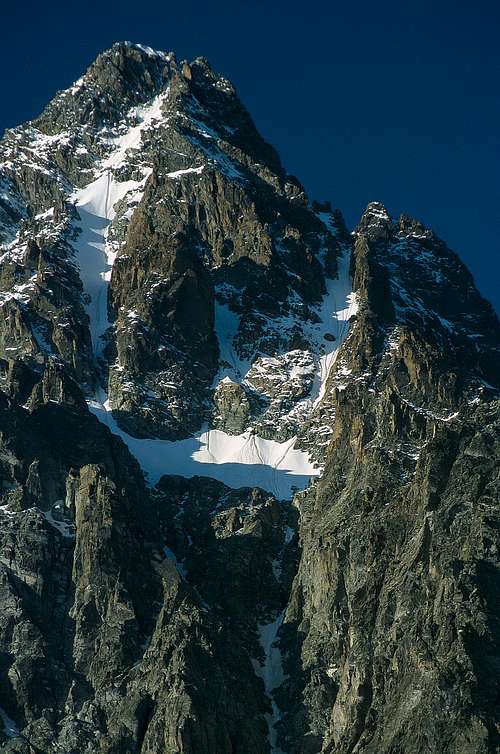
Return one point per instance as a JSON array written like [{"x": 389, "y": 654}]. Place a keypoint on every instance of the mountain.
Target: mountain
[{"x": 249, "y": 475}]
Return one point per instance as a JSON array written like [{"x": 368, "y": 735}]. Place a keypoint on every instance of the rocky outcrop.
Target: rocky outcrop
[
  {"x": 395, "y": 590},
  {"x": 113, "y": 643}
]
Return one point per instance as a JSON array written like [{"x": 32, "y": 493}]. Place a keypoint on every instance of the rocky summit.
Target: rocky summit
[{"x": 249, "y": 460}]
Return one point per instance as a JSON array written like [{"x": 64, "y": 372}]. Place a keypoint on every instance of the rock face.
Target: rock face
[
  {"x": 392, "y": 619},
  {"x": 249, "y": 476}
]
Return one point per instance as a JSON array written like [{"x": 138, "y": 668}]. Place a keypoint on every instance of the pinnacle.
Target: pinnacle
[{"x": 377, "y": 210}]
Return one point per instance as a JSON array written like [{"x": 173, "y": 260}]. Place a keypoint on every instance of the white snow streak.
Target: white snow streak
[
  {"x": 337, "y": 307},
  {"x": 271, "y": 673},
  {"x": 95, "y": 204},
  {"x": 180, "y": 173},
  {"x": 227, "y": 323}
]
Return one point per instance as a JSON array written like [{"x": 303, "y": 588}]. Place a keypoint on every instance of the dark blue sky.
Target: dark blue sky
[{"x": 390, "y": 101}]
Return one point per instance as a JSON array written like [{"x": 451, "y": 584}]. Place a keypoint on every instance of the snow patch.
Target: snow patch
[
  {"x": 149, "y": 51},
  {"x": 227, "y": 323},
  {"x": 244, "y": 460},
  {"x": 64, "y": 528},
  {"x": 179, "y": 173}
]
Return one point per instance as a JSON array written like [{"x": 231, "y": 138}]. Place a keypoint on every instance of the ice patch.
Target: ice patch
[
  {"x": 325, "y": 337},
  {"x": 131, "y": 139}
]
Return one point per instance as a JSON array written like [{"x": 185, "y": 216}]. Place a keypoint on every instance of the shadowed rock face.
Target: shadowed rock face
[{"x": 157, "y": 261}]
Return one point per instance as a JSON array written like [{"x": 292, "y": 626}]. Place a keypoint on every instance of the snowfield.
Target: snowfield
[{"x": 236, "y": 460}]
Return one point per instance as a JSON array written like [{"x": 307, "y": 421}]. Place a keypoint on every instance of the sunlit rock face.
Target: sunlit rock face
[{"x": 249, "y": 460}]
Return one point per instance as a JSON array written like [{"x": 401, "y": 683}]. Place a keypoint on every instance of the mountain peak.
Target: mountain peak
[
  {"x": 128, "y": 76},
  {"x": 375, "y": 212},
  {"x": 145, "y": 49},
  {"x": 375, "y": 221}
]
